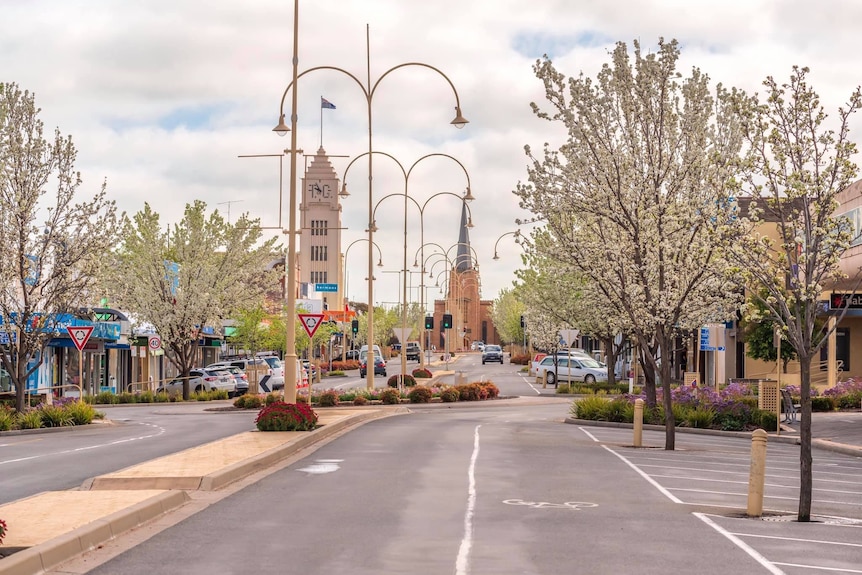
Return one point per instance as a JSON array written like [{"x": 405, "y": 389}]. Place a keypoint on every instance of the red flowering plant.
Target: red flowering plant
[
  {"x": 3, "y": 530},
  {"x": 280, "y": 416}
]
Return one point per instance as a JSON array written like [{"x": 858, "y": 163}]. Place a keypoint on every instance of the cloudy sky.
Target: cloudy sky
[{"x": 162, "y": 97}]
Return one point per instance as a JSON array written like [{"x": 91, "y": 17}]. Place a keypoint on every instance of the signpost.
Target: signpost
[{"x": 80, "y": 335}]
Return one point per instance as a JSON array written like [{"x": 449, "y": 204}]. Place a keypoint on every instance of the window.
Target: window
[
  {"x": 319, "y": 227},
  {"x": 318, "y": 277},
  {"x": 319, "y": 253}
]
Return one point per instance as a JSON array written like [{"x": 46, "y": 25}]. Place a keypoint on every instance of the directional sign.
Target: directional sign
[
  {"x": 310, "y": 322},
  {"x": 80, "y": 335},
  {"x": 326, "y": 287}
]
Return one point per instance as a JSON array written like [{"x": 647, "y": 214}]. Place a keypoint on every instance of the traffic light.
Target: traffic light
[
  {"x": 447, "y": 321},
  {"x": 523, "y": 323},
  {"x": 429, "y": 322},
  {"x": 354, "y": 326}
]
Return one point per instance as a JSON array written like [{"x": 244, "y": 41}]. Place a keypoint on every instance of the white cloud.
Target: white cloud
[{"x": 162, "y": 97}]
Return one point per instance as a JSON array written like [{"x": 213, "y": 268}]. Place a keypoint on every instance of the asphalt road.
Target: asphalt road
[
  {"x": 470, "y": 490},
  {"x": 37, "y": 462}
]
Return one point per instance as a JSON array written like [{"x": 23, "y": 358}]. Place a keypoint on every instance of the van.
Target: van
[{"x": 413, "y": 351}]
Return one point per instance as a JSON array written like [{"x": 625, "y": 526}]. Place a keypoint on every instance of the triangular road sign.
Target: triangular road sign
[
  {"x": 80, "y": 335},
  {"x": 310, "y": 322}
]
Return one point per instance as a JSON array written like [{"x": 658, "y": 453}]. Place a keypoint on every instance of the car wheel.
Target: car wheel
[
  {"x": 483, "y": 362},
  {"x": 589, "y": 378},
  {"x": 199, "y": 389},
  {"x": 361, "y": 375},
  {"x": 551, "y": 378}
]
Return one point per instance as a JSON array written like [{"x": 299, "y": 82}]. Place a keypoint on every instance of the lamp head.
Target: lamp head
[
  {"x": 469, "y": 222},
  {"x": 343, "y": 193},
  {"x": 459, "y": 121},
  {"x": 496, "y": 257},
  {"x": 380, "y": 263},
  {"x": 281, "y": 129},
  {"x": 469, "y": 197},
  {"x": 373, "y": 226}
]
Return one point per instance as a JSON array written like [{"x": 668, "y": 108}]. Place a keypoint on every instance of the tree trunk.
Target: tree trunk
[
  {"x": 611, "y": 353},
  {"x": 669, "y": 422},
  {"x": 805, "y": 470},
  {"x": 649, "y": 381}
]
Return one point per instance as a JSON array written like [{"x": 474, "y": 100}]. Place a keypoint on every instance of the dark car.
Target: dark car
[
  {"x": 492, "y": 353},
  {"x": 351, "y": 354},
  {"x": 379, "y": 365},
  {"x": 413, "y": 352}
]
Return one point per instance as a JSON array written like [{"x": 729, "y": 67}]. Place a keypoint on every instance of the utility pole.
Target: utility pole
[{"x": 228, "y": 207}]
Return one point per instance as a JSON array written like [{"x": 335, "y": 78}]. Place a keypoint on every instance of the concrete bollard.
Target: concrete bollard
[
  {"x": 544, "y": 380},
  {"x": 639, "y": 423},
  {"x": 757, "y": 474}
]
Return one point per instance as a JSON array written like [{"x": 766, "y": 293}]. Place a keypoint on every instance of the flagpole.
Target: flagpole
[{"x": 321, "y": 121}]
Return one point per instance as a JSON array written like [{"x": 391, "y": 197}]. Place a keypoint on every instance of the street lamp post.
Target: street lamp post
[
  {"x": 368, "y": 90},
  {"x": 516, "y": 233}
]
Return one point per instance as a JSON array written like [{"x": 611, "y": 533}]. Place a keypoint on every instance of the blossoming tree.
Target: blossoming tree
[
  {"x": 51, "y": 242},
  {"x": 637, "y": 197}
]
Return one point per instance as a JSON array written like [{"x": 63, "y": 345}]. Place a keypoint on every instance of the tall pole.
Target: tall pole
[
  {"x": 370, "y": 372},
  {"x": 290, "y": 261}
]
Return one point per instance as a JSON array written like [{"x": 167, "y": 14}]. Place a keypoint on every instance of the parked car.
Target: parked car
[
  {"x": 572, "y": 368},
  {"x": 478, "y": 346},
  {"x": 202, "y": 379},
  {"x": 256, "y": 368},
  {"x": 239, "y": 376},
  {"x": 309, "y": 368},
  {"x": 351, "y": 354},
  {"x": 413, "y": 352},
  {"x": 379, "y": 364},
  {"x": 492, "y": 353}
]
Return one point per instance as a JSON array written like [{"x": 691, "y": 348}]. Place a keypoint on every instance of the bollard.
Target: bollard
[
  {"x": 544, "y": 380},
  {"x": 639, "y": 423},
  {"x": 757, "y": 474}
]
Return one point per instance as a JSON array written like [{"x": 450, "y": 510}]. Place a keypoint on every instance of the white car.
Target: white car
[
  {"x": 202, "y": 379},
  {"x": 276, "y": 379},
  {"x": 571, "y": 368}
]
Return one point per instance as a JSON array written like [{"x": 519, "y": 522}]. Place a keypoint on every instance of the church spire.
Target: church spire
[{"x": 464, "y": 259}]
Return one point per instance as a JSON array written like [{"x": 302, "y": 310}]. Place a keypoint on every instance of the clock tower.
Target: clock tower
[{"x": 320, "y": 238}]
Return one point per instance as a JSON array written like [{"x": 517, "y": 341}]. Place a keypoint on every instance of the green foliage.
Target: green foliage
[
  {"x": 450, "y": 395},
  {"x": 360, "y": 400},
  {"x": 822, "y": 403},
  {"x": 588, "y": 408},
  {"x": 506, "y": 314},
  {"x": 390, "y": 396},
  {"x": 7, "y": 419},
  {"x": 700, "y": 417},
  {"x": 248, "y": 401},
  {"x": 758, "y": 329},
  {"x": 80, "y": 413},
  {"x": 31, "y": 419},
  {"x": 564, "y": 388},
  {"x": 282, "y": 416},
  {"x": 767, "y": 420},
  {"x": 54, "y": 416},
  {"x": 274, "y": 397},
  {"x": 420, "y": 394},
  {"x": 105, "y": 397},
  {"x": 328, "y": 398}
]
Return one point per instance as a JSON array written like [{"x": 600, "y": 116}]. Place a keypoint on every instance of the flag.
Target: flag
[{"x": 324, "y": 103}]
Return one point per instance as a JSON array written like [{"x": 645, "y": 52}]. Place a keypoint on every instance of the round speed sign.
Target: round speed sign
[{"x": 154, "y": 343}]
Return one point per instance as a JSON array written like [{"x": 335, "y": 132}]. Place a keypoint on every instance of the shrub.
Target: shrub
[
  {"x": 253, "y": 402},
  {"x": 563, "y": 388},
  {"x": 850, "y": 400},
  {"x": 469, "y": 392},
  {"x": 491, "y": 390},
  {"x": 106, "y": 397},
  {"x": 520, "y": 359},
  {"x": 616, "y": 410},
  {"x": 80, "y": 413},
  {"x": 700, "y": 417},
  {"x": 7, "y": 419},
  {"x": 409, "y": 380},
  {"x": 30, "y": 419},
  {"x": 421, "y": 373},
  {"x": 592, "y": 407},
  {"x": 54, "y": 416},
  {"x": 328, "y": 399},
  {"x": 390, "y": 396},
  {"x": 282, "y": 416},
  {"x": 420, "y": 394},
  {"x": 239, "y": 402},
  {"x": 767, "y": 420},
  {"x": 126, "y": 397},
  {"x": 360, "y": 400},
  {"x": 147, "y": 397},
  {"x": 823, "y": 404},
  {"x": 449, "y": 395},
  {"x": 3, "y": 529}
]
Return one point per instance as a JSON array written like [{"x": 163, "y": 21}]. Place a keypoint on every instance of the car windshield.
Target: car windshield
[
  {"x": 273, "y": 362},
  {"x": 591, "y": 363},
  {"x": 492, "y": 348}
]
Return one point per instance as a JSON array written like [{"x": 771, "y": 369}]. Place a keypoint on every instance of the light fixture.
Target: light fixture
[
  {"x": 459, "y": 121},
  {"x": 496, "y": 257},
  {"x": 380, "y": 263},
  {"x": 343, "y": 193},
  {"x": 281, "y": 129},
  {"x": 469, "y": 222},
  {"x": 469, "y": 197},
  {"x": 373, "y": 226}
]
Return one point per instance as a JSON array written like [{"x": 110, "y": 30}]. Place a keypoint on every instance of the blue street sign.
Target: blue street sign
[{"x": 325, "y": 287}]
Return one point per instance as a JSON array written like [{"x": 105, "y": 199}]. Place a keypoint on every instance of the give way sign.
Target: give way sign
[
  {"x": 310, "y": 322},
  {"x": 80, "y": 335}
]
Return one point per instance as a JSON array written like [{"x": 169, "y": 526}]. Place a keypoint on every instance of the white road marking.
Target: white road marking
[
  {"x": 461, "y": 563},
  {"x": 160, "y": 431},
  {"x": 322, "y": 466},
  {"x": 741, "y": 544},
  {"x": 820, "y": 541},
  {"x": 819, "y": 568}
]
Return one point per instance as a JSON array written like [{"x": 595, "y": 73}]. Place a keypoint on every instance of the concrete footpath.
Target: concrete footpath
[{"x": 108, "y": 505}]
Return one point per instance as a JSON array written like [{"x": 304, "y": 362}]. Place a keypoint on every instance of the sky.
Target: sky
[{"x": 162, "y": 97}]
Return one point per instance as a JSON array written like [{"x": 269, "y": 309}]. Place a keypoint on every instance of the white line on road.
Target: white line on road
[
  {"x": 741, "y": 544},
  {"x": 461, "y": 563}
]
